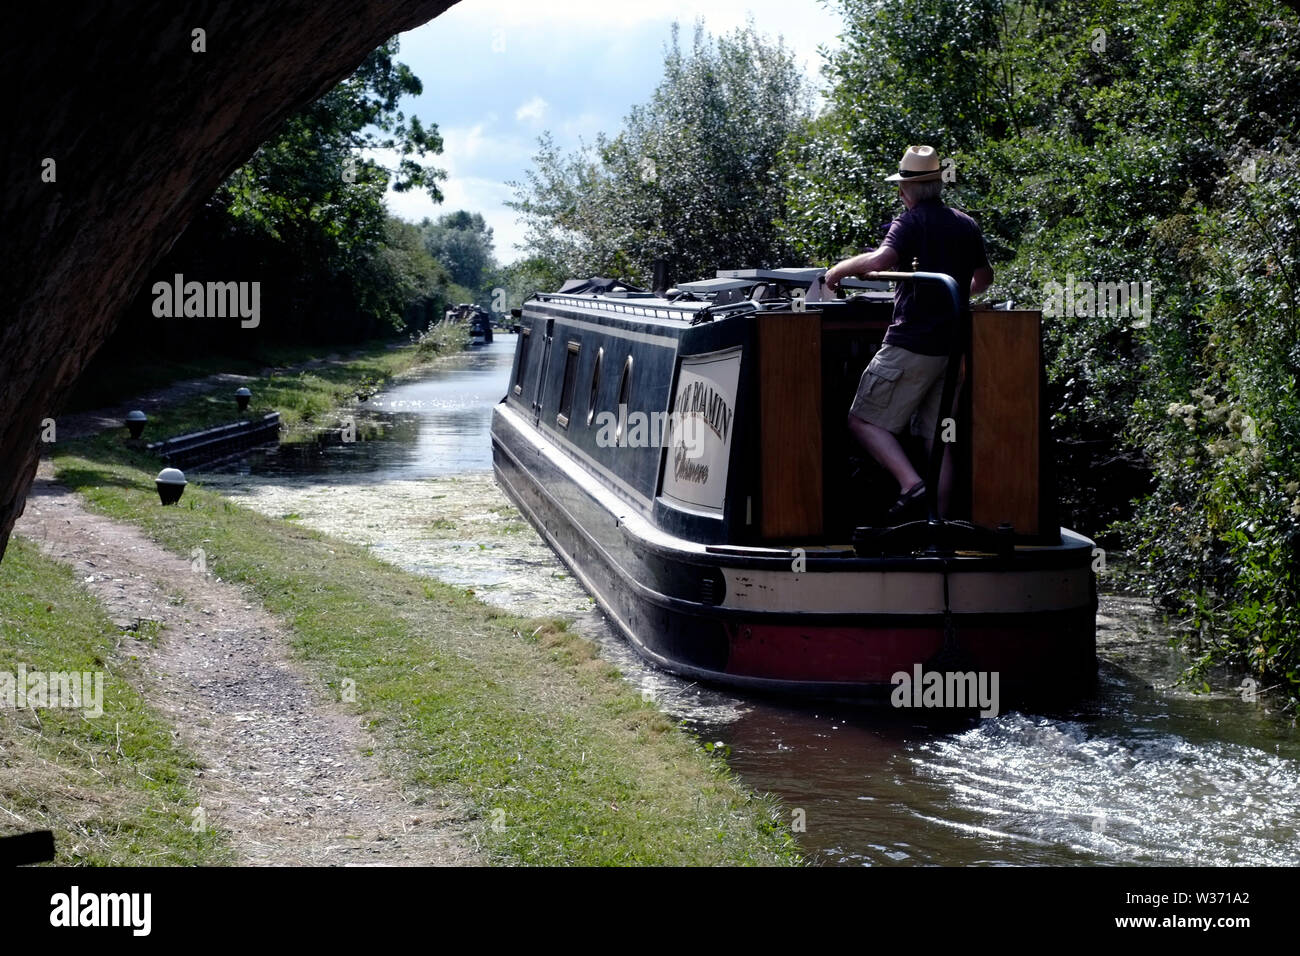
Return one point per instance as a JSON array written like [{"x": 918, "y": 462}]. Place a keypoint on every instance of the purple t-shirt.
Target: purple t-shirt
[{"x": 942, "y": 239}]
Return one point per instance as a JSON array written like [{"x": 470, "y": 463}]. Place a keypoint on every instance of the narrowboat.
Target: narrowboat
[
  {"x": 479, "y": 320},
  {"x": 687, "y": 455}
]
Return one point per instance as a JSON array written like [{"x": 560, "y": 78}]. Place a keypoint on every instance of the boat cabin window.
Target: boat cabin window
[
  {"x": 624, "y": 392},
  {"x": 595, "y": 385},
  {"x": 570, "y": 384},
  {"x": 523, "y": 360}
]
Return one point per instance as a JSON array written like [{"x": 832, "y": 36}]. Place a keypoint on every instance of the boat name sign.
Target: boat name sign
[{"x": 696, "y": 476}]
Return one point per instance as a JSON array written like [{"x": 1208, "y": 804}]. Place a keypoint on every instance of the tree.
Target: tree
[
  {"x": 305, "y": 216},
  {"x": 520, "y": 279},
  {"x": 159, "y": 133},
  {"x": 419, "y": 288},
  {"x": 929, "y": 71},
  {"x": 311, "y": 183},
  {"x": 1149, "y": 141},
  {"x": 692, "y": 179},
  {"x": 462, "y": 242}
]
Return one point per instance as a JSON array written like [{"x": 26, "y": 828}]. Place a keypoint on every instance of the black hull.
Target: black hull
[{"x": 839, "y": 627}]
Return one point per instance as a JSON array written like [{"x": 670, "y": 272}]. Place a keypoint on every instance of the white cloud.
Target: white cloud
[
  {"x": 462, "y": 145},
  {"x": 804, "y": 23},
  {"x": 508, "y": 40},
  {"x": 486, "y": 196},
  {"x": 586, "y": 125},
  {"x": 462, "y": 189},
  {"x": 534, "y": 111},
  {"x": 718, "y": 14}
]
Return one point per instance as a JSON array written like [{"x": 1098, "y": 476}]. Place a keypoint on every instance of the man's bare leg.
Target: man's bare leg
[{"x": 884, "y": 447}]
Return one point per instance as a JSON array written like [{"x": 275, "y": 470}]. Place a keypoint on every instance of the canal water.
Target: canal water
[{"x": 1143, "y": 773}]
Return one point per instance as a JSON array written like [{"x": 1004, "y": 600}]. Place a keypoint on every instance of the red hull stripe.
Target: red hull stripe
[{"x": 874, "y": 655}]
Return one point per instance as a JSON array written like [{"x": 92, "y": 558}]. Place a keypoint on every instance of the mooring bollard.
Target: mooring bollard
[
  {"x": 242, "y": 396},
  {"x": 171, "y": 485},
  {"x": 135, "y": 422}
]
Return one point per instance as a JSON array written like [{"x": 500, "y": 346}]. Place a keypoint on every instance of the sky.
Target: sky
[{"x": 499, "y": 73}]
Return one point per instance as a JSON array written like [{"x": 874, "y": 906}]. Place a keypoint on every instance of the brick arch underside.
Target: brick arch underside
[{"x": 142, "y": 130}]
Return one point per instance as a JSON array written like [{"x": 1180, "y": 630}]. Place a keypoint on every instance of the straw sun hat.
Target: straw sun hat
[{"x": 920, "y": 164}]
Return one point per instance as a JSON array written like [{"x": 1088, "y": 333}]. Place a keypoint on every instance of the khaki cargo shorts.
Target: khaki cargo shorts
[{"x": 901, "y": 388}]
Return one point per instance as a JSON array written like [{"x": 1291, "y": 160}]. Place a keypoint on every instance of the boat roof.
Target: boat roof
[
  {"x": 596, "y": 285},
  {"x": 612, "y": 295},
  {"x": 802, "y": 276},
  {"x": 703, "y": 286},
  {"x": 743, "y": 278},
  {"x": 806, "y": 274}
]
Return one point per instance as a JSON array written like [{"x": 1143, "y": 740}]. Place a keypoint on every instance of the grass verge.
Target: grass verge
[
  {"x": 116, "y": 376},
  {"x": 558, "y": 761},
  {"x": 114, "y": 788}
]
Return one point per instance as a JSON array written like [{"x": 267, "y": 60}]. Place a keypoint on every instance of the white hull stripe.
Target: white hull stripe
[{"x": 907, "y": 592}]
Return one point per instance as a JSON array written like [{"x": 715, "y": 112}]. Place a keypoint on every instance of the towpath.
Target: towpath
[{"x": 286, "y": 770}]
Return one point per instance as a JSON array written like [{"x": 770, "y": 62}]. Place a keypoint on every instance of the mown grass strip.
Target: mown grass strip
[
  {"x": 115, "y": 789},
  {"x": 558, "y": 760}
]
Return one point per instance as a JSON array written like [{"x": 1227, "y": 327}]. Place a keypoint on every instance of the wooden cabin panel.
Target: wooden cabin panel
[
  {"x": 1005, "y": 470},
  {"x": 791, "y": 425}
]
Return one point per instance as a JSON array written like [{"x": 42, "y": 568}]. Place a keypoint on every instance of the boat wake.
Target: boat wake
[{"x": 1139, "y": 796}]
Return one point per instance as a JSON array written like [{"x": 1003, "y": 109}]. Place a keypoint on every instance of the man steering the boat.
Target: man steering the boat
[{"x": 903, "y": 385}]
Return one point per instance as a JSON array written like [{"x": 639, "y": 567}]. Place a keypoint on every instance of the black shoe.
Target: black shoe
[{"x": 907, "y": 501}]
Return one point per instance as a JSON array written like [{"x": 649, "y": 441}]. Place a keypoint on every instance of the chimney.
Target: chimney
[{"x": 660, "y": 283}]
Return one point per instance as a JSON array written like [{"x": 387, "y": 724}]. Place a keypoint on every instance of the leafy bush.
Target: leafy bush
[
  {"x": 1226, "y": 438},
  {"x": 1116, "y": 141},
  {"x": 441, "y": 338}
]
